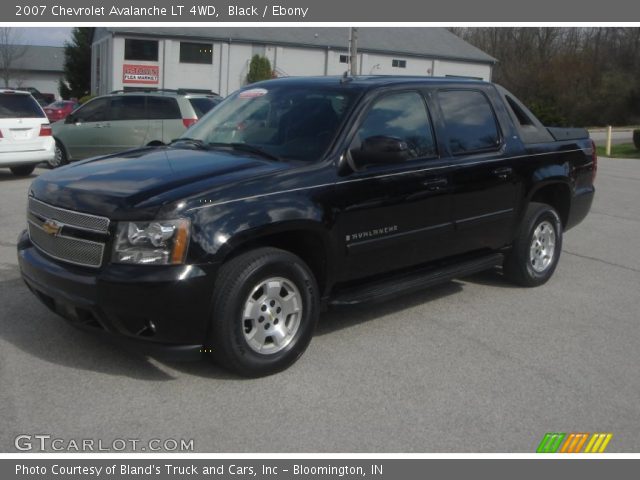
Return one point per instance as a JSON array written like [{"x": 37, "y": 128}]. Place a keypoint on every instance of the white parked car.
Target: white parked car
[{"x": 25, "y": 133}]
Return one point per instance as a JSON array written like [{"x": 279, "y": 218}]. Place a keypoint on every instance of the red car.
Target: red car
[{"x": 59, "y": 110}]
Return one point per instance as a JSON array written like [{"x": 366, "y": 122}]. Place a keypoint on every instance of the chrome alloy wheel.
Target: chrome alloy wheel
[
  {"x": 271, "y": 315},
  {"x": 543, "y": 246}
]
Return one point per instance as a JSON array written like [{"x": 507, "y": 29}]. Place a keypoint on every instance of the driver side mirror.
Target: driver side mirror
[
  {"x": 380, "y": 149},
  {"x": 71, "y": 118}
]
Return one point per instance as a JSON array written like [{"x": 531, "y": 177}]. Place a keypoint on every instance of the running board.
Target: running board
[{"x": 380, "y": 290}]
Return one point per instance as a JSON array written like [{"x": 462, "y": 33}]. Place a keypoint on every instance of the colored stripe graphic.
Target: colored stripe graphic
[
  {"x": 573, "y": 442},
  {"x": 550, "y": 442},
  {"x": 598, "y": 443}
]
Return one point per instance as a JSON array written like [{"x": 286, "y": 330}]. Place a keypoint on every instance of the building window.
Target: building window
[
  {"x": 196, "y": 52},
  {"x": 146, "y": 50},
  {"x": 398, "y": 63},
  {"x": 344, "y": 58}
]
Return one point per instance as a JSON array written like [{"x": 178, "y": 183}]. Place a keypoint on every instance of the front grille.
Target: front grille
[
  {"x": 83, "y": 221},
  {"x": 68, "y": 244}
]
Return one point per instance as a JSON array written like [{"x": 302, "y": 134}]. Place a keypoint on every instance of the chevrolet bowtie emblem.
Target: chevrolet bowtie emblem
[{"x": 51, "y": 227}]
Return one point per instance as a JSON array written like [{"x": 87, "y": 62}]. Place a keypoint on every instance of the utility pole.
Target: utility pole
[{"x": 353, "y": 50}]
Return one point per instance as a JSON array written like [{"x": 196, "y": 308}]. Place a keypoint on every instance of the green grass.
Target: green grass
[{"x": 624, "y": 150}]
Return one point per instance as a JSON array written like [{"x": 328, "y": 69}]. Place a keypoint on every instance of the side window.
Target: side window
[
  {"x": 402, "y": 116},
  {"x": 162, "y": 108},
  {"x": 127, "y": 107},
  {"x": 470, "y": 121},
  {"x": 93, "y": 111}
]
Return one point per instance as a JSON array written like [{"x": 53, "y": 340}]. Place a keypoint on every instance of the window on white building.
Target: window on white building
[
  {"x": 196, "y": 52},
  {"x": 344, "y": 58},
  {"x": 136, "y": 49},
  {"x": 398, "y": 63}
]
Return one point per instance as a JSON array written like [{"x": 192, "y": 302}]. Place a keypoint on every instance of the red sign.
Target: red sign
[{"x": 140, "y": 73}]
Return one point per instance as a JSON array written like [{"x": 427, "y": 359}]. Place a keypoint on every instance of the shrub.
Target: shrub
[
  {"x": 85, "y": 99},
  {"x": 259, "y": 69},
  {"x": 636, "y": 138}
]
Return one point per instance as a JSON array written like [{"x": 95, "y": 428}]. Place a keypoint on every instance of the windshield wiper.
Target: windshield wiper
[
  {"x": 246, "y": 147},
  {"x": 196, "y": 142}
]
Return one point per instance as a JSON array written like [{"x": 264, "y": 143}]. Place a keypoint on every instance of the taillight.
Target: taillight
[
  {"x": 45, "y": 130},
  {"x": 187, "y": 122},
  {"x": 594, "y": 157}
]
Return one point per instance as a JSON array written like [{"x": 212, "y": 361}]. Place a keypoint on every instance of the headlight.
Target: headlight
[{"x": 162, "y": 242}]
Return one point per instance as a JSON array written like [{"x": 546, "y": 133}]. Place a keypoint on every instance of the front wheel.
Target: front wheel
[
  {"x": 537, "y": 247},
  {"x": 265, "y": 311}
]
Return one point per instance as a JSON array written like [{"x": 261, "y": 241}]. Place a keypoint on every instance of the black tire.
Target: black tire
[
  {"x": 519, "y": 267},
  {"x": 60, "y": 157},
  {"x": 228, "y": 331},
  {"x": 22, "y": 170}
]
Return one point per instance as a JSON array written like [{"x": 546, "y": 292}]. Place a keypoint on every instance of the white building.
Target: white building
[
  {"x": 38, "y": 67},
  {"x": 217, "y": 58}
]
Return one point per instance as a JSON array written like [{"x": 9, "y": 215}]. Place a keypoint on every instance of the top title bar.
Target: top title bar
[{"x": 257, "y": 11}]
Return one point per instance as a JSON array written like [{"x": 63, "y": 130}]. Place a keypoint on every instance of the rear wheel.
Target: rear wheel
[
  {"x": 23, "y": 170},
  {"x": 60, "y": 157},
  {"x": 536, "y": 250},
  {"x": 265, "y": 312}
]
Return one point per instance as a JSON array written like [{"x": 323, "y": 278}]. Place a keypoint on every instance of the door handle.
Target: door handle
[
  {"x": 435, "y": 183},
  {"x": 503, "y": 172}
]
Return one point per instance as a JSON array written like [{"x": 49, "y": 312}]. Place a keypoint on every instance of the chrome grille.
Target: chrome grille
[
  {"x": 83, "y": 221},
  {"x": 64, "y": 245}
]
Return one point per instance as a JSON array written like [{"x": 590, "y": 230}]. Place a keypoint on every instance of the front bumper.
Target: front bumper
[{"x": 156, "y": 310}]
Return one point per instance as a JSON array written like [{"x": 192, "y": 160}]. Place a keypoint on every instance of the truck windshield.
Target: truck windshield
[{"x": 285, "y": 122}]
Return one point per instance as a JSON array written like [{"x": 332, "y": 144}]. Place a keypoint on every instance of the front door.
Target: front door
[{"x": 393, "y": 211}]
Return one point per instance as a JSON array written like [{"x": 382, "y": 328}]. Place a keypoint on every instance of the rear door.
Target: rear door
[
  {"x": 165, "y": 120},
  {"x": 20, "y": 121},
  {"x": 127, "y": 125},
  {"x": 484, "y": 183}
]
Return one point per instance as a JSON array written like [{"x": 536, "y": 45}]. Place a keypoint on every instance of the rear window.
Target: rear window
[
  {"x": 19, "y": 106},
  {"x": 59, "y": 104},
  {"x": 203, "y": 104},
  {"x": 162, "y": 108}
]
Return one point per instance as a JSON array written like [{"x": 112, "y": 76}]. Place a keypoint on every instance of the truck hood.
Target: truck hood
[{"x": 144, "y": 178}]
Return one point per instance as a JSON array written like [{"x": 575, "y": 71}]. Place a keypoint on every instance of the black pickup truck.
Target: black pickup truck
[{"x": 296, "y": 194}]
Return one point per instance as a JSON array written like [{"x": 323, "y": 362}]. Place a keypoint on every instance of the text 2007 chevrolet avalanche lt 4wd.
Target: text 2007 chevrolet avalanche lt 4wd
[{"x": 299, "y": 193}]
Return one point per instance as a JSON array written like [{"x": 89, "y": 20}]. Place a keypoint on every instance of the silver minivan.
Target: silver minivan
[{"x": 127, "y": 119}]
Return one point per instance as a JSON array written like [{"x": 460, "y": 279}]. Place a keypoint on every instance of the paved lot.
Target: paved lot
[{"x": 473, "y": 365}]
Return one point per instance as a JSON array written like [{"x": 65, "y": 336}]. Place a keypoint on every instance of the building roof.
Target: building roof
[
  {"x": 432, "y": 42},
  {"x": 37, "y": 58}
]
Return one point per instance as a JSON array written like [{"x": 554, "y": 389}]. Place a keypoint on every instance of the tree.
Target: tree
[
  {"x": 259, "y": 69},
  {"x": 77, "y": 62},
  {"x": 65, "y": 92},
  {"x": 10, "y": 53}
]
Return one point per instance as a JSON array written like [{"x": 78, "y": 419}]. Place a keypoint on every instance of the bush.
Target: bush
[
  {"x": 259, "y": 69},
  {"x": 85, "y": 99},
  {"x": 636, "y": 138}
]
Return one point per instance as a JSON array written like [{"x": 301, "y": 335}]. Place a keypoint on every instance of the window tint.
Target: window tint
[
  {"x": 403, "y": 116},
  {"x": 196, "y": 52},
  {"x": 202, "y": 105},
  {"x": 19, "y": 106},
  {"x": 162, "y": 108},
  {"x": 146, "y": 50},
  {"x": 94, "y": 111},
  {"x": 471, "y": 124},
  {"x": 127, "y": 107}
]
